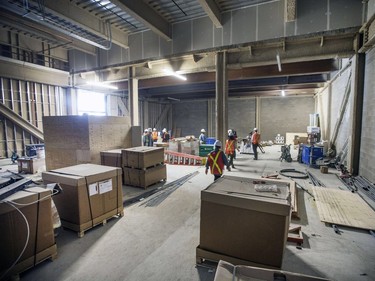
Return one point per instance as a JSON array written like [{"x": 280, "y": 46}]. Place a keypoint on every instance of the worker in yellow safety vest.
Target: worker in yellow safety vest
[
  {"x": 230, "y": 148},
  {"x": 216, "y": 160},
  {"x": 154, "y": 135}
]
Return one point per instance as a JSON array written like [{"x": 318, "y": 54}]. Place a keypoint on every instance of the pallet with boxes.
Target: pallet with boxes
[
  {"x": 27, "y": 235},
  {"x": 143, "y": 166},
  {"x": 91, "y": 195},
  {"x": 31, "y": 165}
]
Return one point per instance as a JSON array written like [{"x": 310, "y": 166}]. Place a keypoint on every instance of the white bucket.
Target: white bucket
[{"x": 40, "y": 153}]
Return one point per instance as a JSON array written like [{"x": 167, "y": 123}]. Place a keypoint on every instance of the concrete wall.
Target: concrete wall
[
  {"x": 281, "y": 115},
  {"x": 367, "y": 154},
  {"x": 277, "y": 116}
]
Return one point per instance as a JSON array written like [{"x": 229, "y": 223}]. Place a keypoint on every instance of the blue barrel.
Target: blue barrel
[{"x": 210, "y": 140}]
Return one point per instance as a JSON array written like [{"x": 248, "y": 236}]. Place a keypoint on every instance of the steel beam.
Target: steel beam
[{"x": 212, "y": 10}]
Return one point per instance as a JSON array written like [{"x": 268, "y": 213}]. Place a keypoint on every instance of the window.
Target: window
[{"x": 91, "y": 103}]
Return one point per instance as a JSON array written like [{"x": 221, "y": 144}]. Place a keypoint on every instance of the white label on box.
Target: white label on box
[
  {"x": 93, "y": 189},
  {"x": 105, "y": 186},
  {"x": 25, "y": 165}
]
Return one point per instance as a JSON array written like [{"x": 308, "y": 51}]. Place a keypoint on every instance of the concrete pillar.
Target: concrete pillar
[
  {"x": 133, "y": 97},
  {"x": 221, "y": 106},
  {"x": 358, "y": 68}
]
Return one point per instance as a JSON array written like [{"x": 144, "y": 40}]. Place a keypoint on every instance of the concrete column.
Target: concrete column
[
  {"x": 133, "y": 97},
  {"x": 221, "y": 106},
  {"x": 358, "y": 68}
]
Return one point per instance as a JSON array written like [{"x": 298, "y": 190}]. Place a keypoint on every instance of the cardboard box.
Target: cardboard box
[
  {"x": 145, "y": 177},
  {"x": 91, "y": 194},
  {"x": 240, "y": 222},
  {"x": 72, "y": 140},
  {"x": 227, "y": 272},
  {"x": 14, "y": 231},
  {"x": 31, "y": 165},
  {"x": 111, "y": 158},
  {"x": 142, "y": 156}
]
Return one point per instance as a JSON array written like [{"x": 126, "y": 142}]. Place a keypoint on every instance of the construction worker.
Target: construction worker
[
  {"x": 146, "y": 138},
  {"x": 165, "y": 136},
  {"x": 154, "y": 135},
  {"x": 230, "y": 148},
  {"x": 255, "y": 139},
  {"x": 216, "y": 160},
  {"x": 202, "y": 137}
]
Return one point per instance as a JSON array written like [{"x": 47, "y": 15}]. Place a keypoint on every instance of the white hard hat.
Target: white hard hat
[
  {"x": 230, "y": 131},
  {"x": 218, "y": 143},
  {"x": 146, "y": 131},
  {"x": 203, "y": 131},
  {"x": 164, "y": 130},
  {"x": 154, "y": 129},
  {"x": 255, "y": 129},
  {"x": 230, "y": 134}
]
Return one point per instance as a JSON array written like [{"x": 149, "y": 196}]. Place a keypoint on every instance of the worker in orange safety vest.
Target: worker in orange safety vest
[
  {"x": 230, "y": 148},
  {"x": 154, "y": 135},
  {"x": 216, "y": 160}
]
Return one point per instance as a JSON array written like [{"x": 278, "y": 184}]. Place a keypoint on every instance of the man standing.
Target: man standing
[
  {"x": 154, "y": 135},
  {"x": 165, "y": 136},
  {"x": 230, "y": 148},
  {"x": 202, "y": 137},
  {"x": 255, "y": 139},
  {"x": 216, "y": 160}
]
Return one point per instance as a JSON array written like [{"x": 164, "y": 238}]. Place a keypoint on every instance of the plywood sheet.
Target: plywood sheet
[{"x": 343, "y": 207}]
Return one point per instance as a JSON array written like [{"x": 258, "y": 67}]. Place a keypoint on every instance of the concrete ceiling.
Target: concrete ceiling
[{"x": 307, "y": 61}]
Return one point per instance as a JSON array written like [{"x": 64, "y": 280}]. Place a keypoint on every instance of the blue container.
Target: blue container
[
  {"x": 210, "y": 140},
  {"x": 312, "y": 153}
]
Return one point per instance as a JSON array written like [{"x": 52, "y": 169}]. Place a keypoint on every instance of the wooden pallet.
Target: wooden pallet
[
  {"x": 49, "y": 254},
  {"x": 81, "y": 229}
]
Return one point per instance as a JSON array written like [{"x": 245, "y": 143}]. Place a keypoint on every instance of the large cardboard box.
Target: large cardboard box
[
  {"x": 35, "y": 204},
  {"x": 240, "y": 222},
  {"x": 31, "y": 165},
  {"x": 72, "y": 140},
  {"x": 227, "y": 272},
  {"x": 145, "y": 177},
  {"x": 111, "y": 158},
  {"x": 91, "y": 194},
  {"x": 142, "y": 156}
]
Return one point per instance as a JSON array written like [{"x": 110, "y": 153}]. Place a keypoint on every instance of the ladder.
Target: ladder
[{"x": 178, "y": 158}]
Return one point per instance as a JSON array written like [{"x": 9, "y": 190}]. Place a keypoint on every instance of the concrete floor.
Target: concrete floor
[{"x": 158, "y": 243}]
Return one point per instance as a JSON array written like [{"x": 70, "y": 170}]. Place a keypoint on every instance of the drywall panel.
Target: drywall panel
[
  {"x": 243, "y": 25},
  {"x": 345, "y": 13},
  {"x": 271, "y": 20},
  {"x": 182, "y": 37},
  {"x": 136, "y": 46},
  {"x": 81, "y": 61},
  {"x": 150, "y": 44},
  {"x": 115, "y": 55},
  {"x": 202, "y": 33},
  {"x": 165, "y": 47},
  {"x": 290, "y": 28},
  {"x": 226, "y": 19},
  {"x": 311, "y": 16},
  {"x": 367, "y": 152},
  {"x": 280, "y": 115}
]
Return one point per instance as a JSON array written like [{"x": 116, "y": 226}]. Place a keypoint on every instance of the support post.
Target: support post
[{"x": 133, "y": 97}]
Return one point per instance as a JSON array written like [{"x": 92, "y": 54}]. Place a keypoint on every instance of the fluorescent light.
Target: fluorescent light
[
  {"x": 102, "y": 85},
  {"x": 278, "y": 62},
  {"x": 170, "y": 72},
  {"x": 283, "y": 93}
]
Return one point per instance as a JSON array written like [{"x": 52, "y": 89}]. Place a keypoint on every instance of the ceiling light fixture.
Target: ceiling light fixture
[
  {"x": 102, "y": 85},
  {"x": 278, "y": 62},
  {"x": 175, "y": 74}
]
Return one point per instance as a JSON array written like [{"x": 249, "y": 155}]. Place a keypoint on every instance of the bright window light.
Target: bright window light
[
  {"x": 175, "y": 74},
  {"x": 91, "y": 103},
  {"x": 283, "y": 93}
]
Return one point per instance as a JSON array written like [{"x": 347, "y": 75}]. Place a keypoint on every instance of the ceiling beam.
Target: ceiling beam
[
  {"x": 212, "y": 10},
  {"x": 146, "y": 15},
  {"x": 87, "y": 21}
]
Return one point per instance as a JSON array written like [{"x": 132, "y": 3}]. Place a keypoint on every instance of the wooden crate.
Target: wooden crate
[
  {"x": 31, "y": 165},
  {"x": 144, "y": 177},
  {"x": 142, "y": 157}
]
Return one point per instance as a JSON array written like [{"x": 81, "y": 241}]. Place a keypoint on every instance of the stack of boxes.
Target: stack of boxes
[
  {"x": 242, "y": 225},
  {"x": 35, "y": 223},
  {"x": 143, "y": 166},
  {"x": 91, "y": 195}
]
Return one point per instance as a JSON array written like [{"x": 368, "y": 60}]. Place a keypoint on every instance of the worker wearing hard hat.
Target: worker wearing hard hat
[
  {"x": 165, "y": 136},
  {"x": 255, "y": 139},
  {"x": 230, "y": 148},
  {"x": 216, "y": 160},
  {"x": 146, "y": 138},
  {"x": 154, "y": 135},
  {"x": 202, "y": 137}
]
